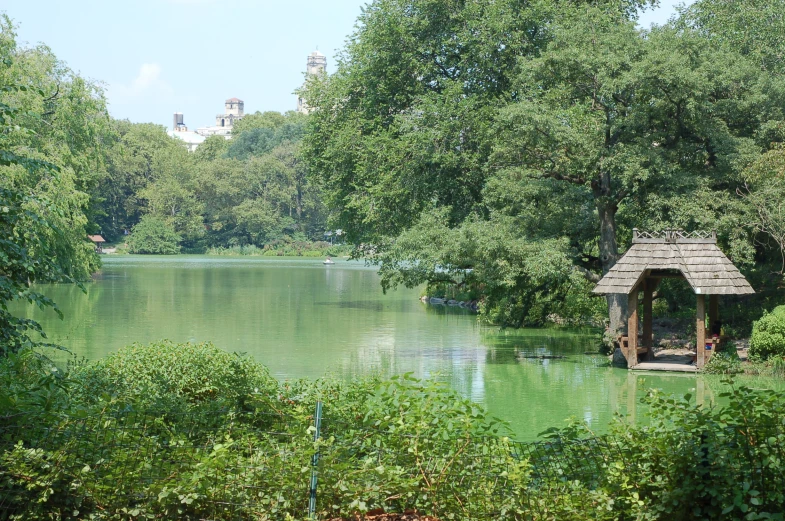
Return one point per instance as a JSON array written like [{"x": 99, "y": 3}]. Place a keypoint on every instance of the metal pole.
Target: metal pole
[{"x": 315, "y": 462}]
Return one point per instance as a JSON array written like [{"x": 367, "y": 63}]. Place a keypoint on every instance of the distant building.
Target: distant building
[
  {"x": 180, "y": 131},
  {"x": 234, "y": 110},
  {"x": 316, "y": 64}
]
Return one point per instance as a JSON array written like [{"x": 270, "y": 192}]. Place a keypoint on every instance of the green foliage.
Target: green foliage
[
  {"x": 250, "y": 190},
  {"x": 412, "y": 446},
  {"x": 149, "y": 375},
  {"x": 555, "y": 145},
  {"x": 42, "y": 181},
  {"x": 154, "y": 235},
  {"x": 749, "y": 26},
  {"x": 190, "y": 432},
  {"x": 723, "y": 363},
  {"x": 260, "y": 140},
  {"x": 132, "y": 164},
  {"x": 699, "y": 463},
  {"x": 286, "y": 248},
  {"x": 768, "y": 335}
]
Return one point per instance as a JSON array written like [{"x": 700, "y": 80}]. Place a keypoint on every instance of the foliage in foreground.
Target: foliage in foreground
[{"x": 190, "y": 432}]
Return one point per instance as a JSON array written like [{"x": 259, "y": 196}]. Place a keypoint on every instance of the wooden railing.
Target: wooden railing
[{"x": 673, "y": 235}]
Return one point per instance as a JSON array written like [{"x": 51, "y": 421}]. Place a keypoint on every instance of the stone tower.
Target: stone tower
[
  {"x": 316, "y": 64},
  {"x": 233, "y": 111}
]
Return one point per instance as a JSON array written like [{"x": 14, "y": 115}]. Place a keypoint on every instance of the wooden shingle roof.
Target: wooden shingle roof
[{"x": 695, "y": 255}]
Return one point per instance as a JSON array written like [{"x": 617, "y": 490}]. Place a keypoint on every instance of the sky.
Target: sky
[{"x": 157, "y": 57}]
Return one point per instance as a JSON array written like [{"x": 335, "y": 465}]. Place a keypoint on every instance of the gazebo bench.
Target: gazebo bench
[{"x": 624, "y": 344}]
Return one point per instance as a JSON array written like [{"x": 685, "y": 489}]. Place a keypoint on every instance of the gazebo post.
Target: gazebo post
[
  {"x": 648, "y": 291},
  {"x": 700, "y": 325},
  {"x": 632, "y": 328}
]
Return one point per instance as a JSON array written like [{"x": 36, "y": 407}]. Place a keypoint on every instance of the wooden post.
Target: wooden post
[
  {"x": 648, "y": 343},
  {"x": 632, "y": 328},
  {"x": 700, "y": 326}
]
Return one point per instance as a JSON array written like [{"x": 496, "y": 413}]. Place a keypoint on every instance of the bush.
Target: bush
[
  {"x": 154, "y": 235},
  {"x": 164, "y": 374},
  {"x": 768, "y": 335},
  {"x": 723, "y": 363},
  {"x": 186, "y": 431}
]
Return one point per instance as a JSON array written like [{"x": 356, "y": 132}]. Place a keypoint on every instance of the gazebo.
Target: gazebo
[
  {"x": 98, "y": 241},
  {"x": 654, "y": 256}
]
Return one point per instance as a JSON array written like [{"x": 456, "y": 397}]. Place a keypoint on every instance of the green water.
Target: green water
[{"x": 304, "y": 319}]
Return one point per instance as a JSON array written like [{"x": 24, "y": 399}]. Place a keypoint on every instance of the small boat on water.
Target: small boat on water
[{"x": 328, "y": 261}]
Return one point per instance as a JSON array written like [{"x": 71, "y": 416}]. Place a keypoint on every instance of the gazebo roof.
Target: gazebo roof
[
  {"x": 694, "y": 255},
  {"x": 96, "y": 238}
]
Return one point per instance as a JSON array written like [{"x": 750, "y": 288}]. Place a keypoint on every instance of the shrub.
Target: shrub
[
  {"x": 166, "y": 374},
  {"x": 723, "y": 363},
  {"x": 154, "y": 235},
  {"x": 768, "y": 335}
]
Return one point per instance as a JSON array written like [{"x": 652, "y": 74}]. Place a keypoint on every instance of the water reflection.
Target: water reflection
[{"x": 303, "y": 319}]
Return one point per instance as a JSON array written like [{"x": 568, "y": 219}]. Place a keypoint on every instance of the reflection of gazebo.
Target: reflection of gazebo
[{"x": 654, "y": 256}]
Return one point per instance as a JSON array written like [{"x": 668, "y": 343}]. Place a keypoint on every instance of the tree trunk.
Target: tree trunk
[{"x": 609, "y": 251}]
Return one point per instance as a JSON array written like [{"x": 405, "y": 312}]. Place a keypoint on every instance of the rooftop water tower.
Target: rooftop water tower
[{"x": 178, "y": 123}]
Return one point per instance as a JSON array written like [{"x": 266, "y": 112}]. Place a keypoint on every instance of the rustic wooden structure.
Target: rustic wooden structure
[
  {"x": 98, "y": 241},
  {"x": 653, "y": 256}
]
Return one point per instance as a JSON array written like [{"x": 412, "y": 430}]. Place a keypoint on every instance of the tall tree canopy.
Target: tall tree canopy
[
  {"x": 510, "y": 147},
  {"x": 51, "y": 121}
]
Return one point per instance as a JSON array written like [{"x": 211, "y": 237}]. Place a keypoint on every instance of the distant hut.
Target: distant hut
[
  {"x": 654, "y": 256},
  {"x": 98, "y": 241}
]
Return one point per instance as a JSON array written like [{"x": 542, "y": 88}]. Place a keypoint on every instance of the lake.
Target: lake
[{"x": 304, "y": 319}]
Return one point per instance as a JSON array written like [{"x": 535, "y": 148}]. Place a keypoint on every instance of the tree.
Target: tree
[
  {"x": 637, "y": 122},
  {"x": 170, "y": 194},
  {"x": 131, "y": 167},
  {"x": 211, "y": 148},
  {"x": 560, "y": 125},
  {"x": 751, "y": 27},
  {"x": 154, "y": 235},
  {"x": 50, "y": 129},
  {"x": 264, "y": 132},
  {"x": 764, "y": 192}
]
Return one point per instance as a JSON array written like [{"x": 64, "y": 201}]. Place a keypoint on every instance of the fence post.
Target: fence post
[{"x": 317, "y": 421}]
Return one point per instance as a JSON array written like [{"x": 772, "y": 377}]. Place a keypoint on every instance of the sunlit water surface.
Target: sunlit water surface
[{"x": 304, "y": 319}]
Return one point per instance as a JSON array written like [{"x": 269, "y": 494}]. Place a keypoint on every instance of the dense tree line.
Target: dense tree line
[
  {"x": 251, "y": 190},
  {"x": 507, "y": 149},
  {"x": 113, "y": 175}
]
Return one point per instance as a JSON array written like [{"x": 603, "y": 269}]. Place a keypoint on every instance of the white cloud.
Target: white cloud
[{"x": 147, "y": 82}]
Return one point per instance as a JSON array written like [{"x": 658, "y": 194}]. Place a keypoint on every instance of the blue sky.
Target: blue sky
[{"x": 156, "y": 57}]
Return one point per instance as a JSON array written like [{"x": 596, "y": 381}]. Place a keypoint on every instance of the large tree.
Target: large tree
[
  {"x": 51, "y": 126},
  {"x": 552, "y": 127},
  {"x": 637, "y": 121}
]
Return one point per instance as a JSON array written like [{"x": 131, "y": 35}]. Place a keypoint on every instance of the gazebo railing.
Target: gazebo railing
[{"x": 674, "y": 234}]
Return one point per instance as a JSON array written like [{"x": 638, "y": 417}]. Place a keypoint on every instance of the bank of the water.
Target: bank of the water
[{"x": 303, "y": 319}]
